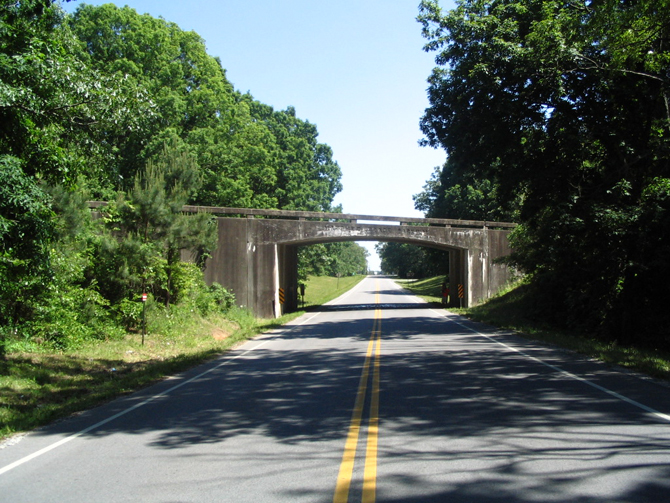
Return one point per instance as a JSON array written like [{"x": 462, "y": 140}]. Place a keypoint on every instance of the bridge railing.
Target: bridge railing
[{"x": 330, "y": 216}]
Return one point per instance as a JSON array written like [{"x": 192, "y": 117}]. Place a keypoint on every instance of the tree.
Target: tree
[
  {"x": 349, "y": 258},
  {"x": 25, "y": 229},
  {"x": 149, "y": 230},
  {"x": 307, "y": 176},
  {"x": 188, "y": 88},
  {"x": 92, "y": 100},
  {"x": 446, "y": 195},
  {"x": 332, "y": 259},
  {"x": 56, "y": 112},
  {"x": 562, "y": 107},
  {"x": 249, "y": 154},
  {"x": 406, "y": 260}
]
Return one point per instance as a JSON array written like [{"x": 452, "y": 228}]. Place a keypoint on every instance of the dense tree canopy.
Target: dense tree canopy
[
  {"x": 411, "y": 261},
  {"x": 250, "y": 155},
  {"x": 558, "y": 112},
  {"x": 109, "y": 104},
  {"x": 333, "y": 259},
  {"x": 56, "y": 112}
]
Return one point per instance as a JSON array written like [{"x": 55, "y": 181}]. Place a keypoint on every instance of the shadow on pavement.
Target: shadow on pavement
[{"x": 486, "y": 425}]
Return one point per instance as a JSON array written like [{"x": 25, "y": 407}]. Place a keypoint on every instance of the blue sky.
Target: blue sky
[{"x": 355, "y": 68}]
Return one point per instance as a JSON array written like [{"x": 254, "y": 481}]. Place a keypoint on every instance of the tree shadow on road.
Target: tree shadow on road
[{"x": 451, "y": 401}]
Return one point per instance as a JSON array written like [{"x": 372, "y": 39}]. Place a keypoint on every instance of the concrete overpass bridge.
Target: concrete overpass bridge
[{"x": 257, "y": 250}]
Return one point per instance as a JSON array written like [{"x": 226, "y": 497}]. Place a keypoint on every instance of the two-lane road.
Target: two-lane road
[{"x": 376, "y": 397}]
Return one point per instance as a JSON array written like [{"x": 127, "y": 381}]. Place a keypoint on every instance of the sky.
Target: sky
[{"x": 354, "y": 68}]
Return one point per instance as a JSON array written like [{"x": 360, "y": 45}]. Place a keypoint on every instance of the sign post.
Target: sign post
[{"x": 144, "y": 316}]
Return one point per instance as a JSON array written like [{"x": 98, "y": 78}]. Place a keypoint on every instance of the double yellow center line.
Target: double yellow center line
[{"x": 371, "y": 366}]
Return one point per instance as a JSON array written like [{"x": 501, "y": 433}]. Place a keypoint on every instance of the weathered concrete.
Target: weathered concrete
[{"x": 257, "y": 256}]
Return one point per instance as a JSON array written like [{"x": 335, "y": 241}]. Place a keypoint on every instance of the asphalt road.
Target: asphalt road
[{"x": 376, "y": 397}]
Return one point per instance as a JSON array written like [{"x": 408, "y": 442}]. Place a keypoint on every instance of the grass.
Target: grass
[
  {"x": 508, "y": 310},
  {"x": 429, "y": 289},
  {"x": 37, "y": 388},
  {"x": 321, "y": 289}
]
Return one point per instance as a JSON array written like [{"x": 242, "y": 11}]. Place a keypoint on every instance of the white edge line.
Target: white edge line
[
  {"x": 623, "y": 398},
  {"x": 73, "y": 436}
]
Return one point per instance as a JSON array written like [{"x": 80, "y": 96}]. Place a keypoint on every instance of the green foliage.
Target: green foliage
[
  {"x": 350, "y": 259},
  {"x": 558, "y": 115},
  {"x": 192, "y": 291},
  {"x": 410, "y": 261},
  {"x": 68, "y": 311},
  {"x": 129, "y": 313},
  {"x": 25, "y": 219},
  {"x": 56, "y": 112},
  {"x": 452, "y": 193},
  {"x": 223, "y": 299},
  {"x": 248, "y": 154},
  {"x": 26, "y": 227},
  {"x": 109, "y": 104},
  {"x": 314, "y": 260},
  {"x": 332, "y": 259},
  {"x": 149, "y": 231}
]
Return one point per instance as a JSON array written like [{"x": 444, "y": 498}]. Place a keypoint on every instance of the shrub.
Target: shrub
[
  {"x": 225, "y": 299},
  {"x": 129, "y": 313}
]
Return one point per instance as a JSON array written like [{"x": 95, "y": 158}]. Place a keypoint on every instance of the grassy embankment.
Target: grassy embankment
[
  {"x": 320, "y": 290},
  {"x": 37, "y": 388},
  {"x": 508, "y": 310}
]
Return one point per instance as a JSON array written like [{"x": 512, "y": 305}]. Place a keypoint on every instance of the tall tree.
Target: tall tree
[
  {"x": 150, "y": 231},
  {"x": 564, "y": 108},
  {"x": 448, "y": 195},
  {"x": 25, "y": 230},
  {"x": 188, "y": 87},
  {"x": 55, "y": 113},
  {"x": 307, "y": 176},
  {"x": 332, "y": 259}
]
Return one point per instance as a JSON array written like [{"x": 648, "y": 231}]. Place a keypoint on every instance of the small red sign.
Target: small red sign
[{"x": 144, "y": 297}]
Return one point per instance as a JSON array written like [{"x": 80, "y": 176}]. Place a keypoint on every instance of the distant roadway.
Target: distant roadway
[{"x": 375, "y": 397}]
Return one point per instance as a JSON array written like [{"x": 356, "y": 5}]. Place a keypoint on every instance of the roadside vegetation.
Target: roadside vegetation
[
  {"x": 42, "y": 384},
  {"x": 86, "y": 114},
  {"x": 515, "y": 309},
  {"x": 321, "y": 289},
  {"x": 572, "y": 103}
]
